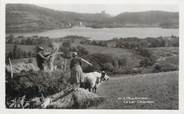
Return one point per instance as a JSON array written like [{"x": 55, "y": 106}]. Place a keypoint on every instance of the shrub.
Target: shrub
[
  {"x": 67, "y": 44},
  {"x": 82, "y": 51},
  {"x": 122, "y": 61},
  {"x": 148, "y": 59},
  {"x": 108, "y": 63},
  {"x": 108, "y": 67},
  {"x": 156, "y": 67},
  {"x": 146, "y": 62},
  {"x": 164, "y": 67},
  {"x": 35, "y": 83},
  {"x": 144, "y": 52}
]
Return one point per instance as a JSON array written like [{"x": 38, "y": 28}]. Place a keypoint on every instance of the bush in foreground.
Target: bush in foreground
[
  {"x": 32, "y": 89},
  {"x": 33, "y": 84}
]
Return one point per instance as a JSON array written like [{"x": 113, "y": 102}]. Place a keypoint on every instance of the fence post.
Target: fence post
[{"x": 11, "y": 68}]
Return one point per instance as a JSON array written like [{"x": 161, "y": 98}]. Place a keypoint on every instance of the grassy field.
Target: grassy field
[
  {"x": 164, "y": 51},
  {"x": 27, "y": 48},
  {"x": 166, "y": 56},
  {"x": 109, "y": 50},
  {"x": 132, "y": 58},
  {"x": 160, "y": 91},
  {"x": 104, "y": 50}
]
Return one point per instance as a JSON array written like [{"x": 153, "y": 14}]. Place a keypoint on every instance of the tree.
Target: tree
[
  {"x": 29, "y": 54},
  {"x": 25, "y": 55},
  {"x": 10, "y": 38},
  {"x": 146, "y": 62},
  {"x": 19, "y": 53},
  {"x": 108, "y": 67},
  {"x": 82, "y": 51},
  {"x": 94, "y": 42},
  {"x": 9, "y": 55},
  {"x": 67, "y": 44},
  {"x": 122, "y": 61},
  {"x": 15, "y": 51},
  {"x": 65, "y": 48},
  {"x": 144, "y": 52}
]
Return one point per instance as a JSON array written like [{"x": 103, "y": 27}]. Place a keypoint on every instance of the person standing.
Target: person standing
[
  {"x": 40, "y": 58},
  {"x": 77, "y": 77}
]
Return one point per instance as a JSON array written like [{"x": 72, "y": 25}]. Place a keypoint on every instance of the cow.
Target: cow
[{"x": 93, "y": 79}]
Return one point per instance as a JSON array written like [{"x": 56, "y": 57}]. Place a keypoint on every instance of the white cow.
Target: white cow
[{"x": 93, "y": 80}]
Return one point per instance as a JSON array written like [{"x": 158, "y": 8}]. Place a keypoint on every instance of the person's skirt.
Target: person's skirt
[{"x": 77, "y": 75}]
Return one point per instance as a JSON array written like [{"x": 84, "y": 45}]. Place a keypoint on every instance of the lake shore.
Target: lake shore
[{"x": 104, "y": 33}]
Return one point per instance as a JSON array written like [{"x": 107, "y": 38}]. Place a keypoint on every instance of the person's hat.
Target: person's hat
[
  {"x": 74, "y": 54},
  {"x": 40, "y": 48},
  {"x": 103, "y": 72}
]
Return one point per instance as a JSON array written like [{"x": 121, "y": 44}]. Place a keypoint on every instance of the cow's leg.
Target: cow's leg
[
  {"x": 82, "y": 85},
  {"x": 90, "y": 89},
  {"x": 94, "y": 89}
]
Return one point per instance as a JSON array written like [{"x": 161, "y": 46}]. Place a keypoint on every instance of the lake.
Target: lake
[{"x": 107, "y": 33}]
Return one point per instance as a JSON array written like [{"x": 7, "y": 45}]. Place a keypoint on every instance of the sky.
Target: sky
[{"x": 113, "y": 9}]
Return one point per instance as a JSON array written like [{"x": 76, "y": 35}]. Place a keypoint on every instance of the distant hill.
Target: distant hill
[
  {"x": 149, "y": 18},
  {"x": 30, "y": 18},
  {"x": 25, "y": 17}
]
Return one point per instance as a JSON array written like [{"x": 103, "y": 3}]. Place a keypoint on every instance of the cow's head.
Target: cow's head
[{"x": 104, "y": 76}]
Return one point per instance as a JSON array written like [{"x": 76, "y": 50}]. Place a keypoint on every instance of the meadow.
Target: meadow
[{"x": 159, "y": 89}]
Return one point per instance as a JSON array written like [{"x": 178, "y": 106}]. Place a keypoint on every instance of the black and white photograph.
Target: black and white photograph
[{"x": 92, "y": 56}]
